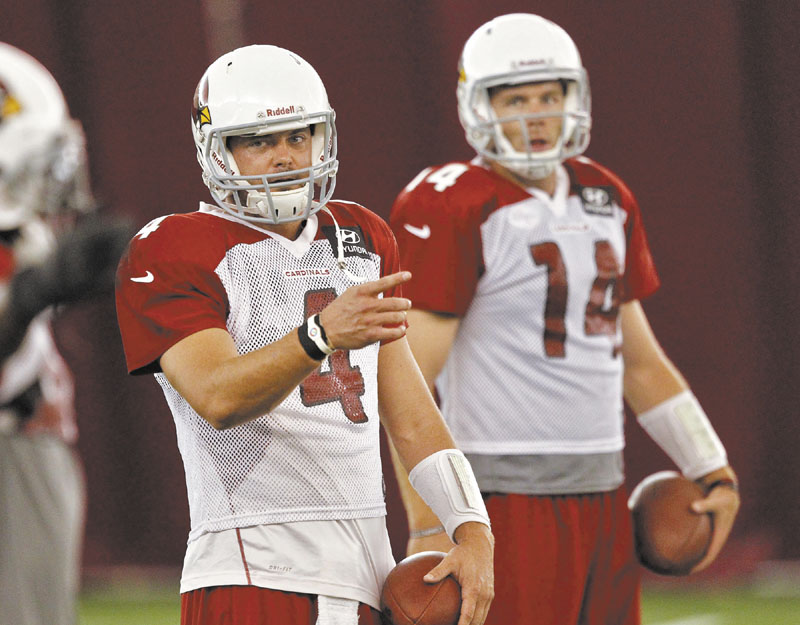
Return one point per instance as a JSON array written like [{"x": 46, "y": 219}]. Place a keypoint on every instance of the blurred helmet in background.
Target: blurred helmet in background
[
  {"x": 43, "y": 162},
  {"x": 517, "y": 49}
]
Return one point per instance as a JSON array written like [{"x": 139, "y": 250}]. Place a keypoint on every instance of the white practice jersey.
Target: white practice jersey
[
  {"x": 537, "y": 282},
  {"x": 316, "y": 456},
  {"x": 345, "y": 558}
]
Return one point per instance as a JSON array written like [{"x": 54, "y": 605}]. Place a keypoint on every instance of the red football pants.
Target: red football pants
[
  {"x": 251, "y": 605},
  {"x": 564, "y": 560}
]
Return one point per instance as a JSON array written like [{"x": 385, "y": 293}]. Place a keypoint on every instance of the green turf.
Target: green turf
[
  {"x": 729, "y": 607},
  {"x": 114, "y": 609}
]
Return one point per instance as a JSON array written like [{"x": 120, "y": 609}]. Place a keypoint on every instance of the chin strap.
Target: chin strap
[
  {"x": 340, "y": 252},
  {"x": 283, "y": 203}
]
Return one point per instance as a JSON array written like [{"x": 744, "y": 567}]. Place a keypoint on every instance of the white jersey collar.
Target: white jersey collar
[
  {"x": 297, "y": 248},
  {"x": 557, "y": 203}
]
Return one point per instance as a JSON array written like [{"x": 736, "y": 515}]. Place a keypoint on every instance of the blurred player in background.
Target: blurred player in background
[
  {"x": 275, "y": 326},
  {"x": 529, "y": 262},
  {"x": 43, "y": 181}
]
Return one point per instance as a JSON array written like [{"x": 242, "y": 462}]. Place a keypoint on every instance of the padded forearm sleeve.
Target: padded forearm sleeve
[
  {"x": 681, "y": 428},
  {"x": 446, "y": 483}
]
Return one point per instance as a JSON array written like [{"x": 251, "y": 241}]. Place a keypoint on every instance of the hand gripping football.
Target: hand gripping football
[
  {"x": 670, "y": 538},
  {"x": 407, "y": 600}
]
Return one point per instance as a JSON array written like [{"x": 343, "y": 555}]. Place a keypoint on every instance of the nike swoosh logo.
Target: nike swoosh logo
[
  {"x": 148, "y": 277},
  {"x": 422, "y": 233}
]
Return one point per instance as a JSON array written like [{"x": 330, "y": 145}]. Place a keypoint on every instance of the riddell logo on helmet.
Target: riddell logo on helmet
[
  {"x": 524, "y": 63},
  {"x": 219, "y": 162},
  {"x": 281, "y": 110}
]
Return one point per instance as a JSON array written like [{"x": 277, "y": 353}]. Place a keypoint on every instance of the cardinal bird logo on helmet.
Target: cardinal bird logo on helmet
[
  {"x": 9, "y": 105},
  {"x": 200, "y": 113}
]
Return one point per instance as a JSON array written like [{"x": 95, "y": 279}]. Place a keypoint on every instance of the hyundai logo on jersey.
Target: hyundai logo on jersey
[
  {"x": 352, "y": 240},
  {"x": 597, "y": 201},
  {"x": 349, "y": 237}
]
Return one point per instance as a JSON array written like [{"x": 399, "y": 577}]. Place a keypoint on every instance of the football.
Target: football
[
  {"x": 670, "y": 539},
  {"x": 407, "y": 600}
]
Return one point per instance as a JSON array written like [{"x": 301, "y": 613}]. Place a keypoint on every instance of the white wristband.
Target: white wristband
[
  {"x": 317, "y": 334},
  {"x": 446, "y": 483},
  {"x": 683, "y": 431}
]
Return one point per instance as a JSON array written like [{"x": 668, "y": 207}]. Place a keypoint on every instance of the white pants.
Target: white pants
[{"x": 42, "y": 508}]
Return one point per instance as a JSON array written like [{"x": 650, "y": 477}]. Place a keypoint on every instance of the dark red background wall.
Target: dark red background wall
[{"x": 695, "y": 106}]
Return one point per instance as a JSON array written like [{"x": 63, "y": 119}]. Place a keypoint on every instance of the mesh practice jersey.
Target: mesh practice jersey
[
  {"x": 316, "y": 456},
  {"x": 537, "y": 282}
]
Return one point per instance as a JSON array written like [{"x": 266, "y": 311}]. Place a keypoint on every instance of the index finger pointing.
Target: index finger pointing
[{"x": 386, "y": 283}]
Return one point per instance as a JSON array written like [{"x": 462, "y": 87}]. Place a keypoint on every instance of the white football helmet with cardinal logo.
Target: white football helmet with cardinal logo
[
  {"x": 259, "y": 90},
  {"x": 517, "y": 49},
  {"x": 43, "y": 163}
]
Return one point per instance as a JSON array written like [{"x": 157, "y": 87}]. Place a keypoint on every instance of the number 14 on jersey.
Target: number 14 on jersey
[{"x": 602, "y": 308}]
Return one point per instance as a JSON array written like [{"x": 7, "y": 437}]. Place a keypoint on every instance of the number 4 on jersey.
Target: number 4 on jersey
[
  {"x": 342, "y": 382},
  {"x": 150, "y": 227}
]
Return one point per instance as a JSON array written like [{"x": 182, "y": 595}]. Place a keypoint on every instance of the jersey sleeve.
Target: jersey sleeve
[
  {"x": 390, "y": 264},
  {"x": 390, "y": 257},
  {"x": 383, "y": 243},
  {"x": 439, "y": 243},
  {"x": 641, "y": 279},
  {"x": 167, "y": 290}
]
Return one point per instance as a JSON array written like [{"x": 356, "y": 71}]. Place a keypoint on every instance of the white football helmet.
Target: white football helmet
[
  {"x": 43, "y": 163},
  {"x": 258, "y": 90},
  {"x": 517, "y": 49}
]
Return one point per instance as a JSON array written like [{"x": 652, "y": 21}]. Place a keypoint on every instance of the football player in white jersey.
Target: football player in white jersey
[
  {"x": 275, "y": 325},
  {"x": 42, "y": 180},
  {"x": 529, "y": 262}
]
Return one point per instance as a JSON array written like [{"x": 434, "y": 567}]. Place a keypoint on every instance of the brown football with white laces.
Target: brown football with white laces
[
  {"x": 407, "y": 600},
  {"x": 670, "y": 538}
]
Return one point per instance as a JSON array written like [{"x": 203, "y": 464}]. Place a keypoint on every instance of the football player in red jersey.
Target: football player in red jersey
[
  {"x": 43, "y": 186},
  {"x": 529, "y": 263},
  {"x": 275, "y": 324}
]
